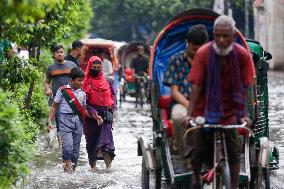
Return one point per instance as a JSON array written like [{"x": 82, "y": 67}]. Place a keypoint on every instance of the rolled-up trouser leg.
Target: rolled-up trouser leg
[{"x": 177, "y": 116}]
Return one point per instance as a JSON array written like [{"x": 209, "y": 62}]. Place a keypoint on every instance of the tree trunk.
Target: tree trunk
[
  {"x": 29, "y": 95},
  {"x": 34, "y": 52}
]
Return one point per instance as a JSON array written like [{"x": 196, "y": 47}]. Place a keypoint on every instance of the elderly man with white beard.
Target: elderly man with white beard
[{"x": 221, "y": 71}]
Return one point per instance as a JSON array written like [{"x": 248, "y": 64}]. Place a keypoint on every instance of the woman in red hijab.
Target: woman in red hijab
[{"x": 100, "y": 99}]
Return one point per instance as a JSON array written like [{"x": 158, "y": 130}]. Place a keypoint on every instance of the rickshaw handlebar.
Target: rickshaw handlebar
[{"x": 219, "y": 126}]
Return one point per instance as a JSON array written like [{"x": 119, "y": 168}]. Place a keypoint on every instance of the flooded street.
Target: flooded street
[
  {"x": 276, "y": 123},
  {"x": 130, "y": 124}
]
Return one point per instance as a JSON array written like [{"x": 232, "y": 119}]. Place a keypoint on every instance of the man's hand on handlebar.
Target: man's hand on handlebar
[
  {"x": 246, "y": 120},
  {"x": 186, "y": 120}
]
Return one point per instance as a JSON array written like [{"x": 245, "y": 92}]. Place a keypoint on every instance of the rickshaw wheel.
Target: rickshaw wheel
[
  {"x": 223, "y": 176},
  {"x": 262, "y": 179},
  {"x": 150, "y": 179},
  {"x": 245, "y": 185}
]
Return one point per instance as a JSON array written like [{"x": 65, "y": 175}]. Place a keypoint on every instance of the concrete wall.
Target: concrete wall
[{"x": 269, "y": 29}]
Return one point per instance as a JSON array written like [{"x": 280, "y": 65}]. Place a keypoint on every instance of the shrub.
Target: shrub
[
  {"x": 14, "y": 150},
  {"x": 17, "y": 71}
]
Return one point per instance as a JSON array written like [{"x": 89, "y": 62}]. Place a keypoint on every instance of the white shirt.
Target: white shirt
[
  {"x": 64, "y": 106},
  {"x": 107, "y": 68}
]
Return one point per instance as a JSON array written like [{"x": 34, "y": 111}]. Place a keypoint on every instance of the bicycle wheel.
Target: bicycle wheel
[
  {"x": 263, "y": 179},
  {"x": 150, "y": 179},
  {"x": 223, "y": 178}
]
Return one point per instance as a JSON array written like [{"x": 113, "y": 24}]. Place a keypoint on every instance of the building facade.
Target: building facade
[{"x": 269, "y": 29}]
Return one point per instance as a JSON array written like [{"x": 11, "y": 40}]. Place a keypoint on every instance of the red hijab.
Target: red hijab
[{"x": 97, "y": 88}]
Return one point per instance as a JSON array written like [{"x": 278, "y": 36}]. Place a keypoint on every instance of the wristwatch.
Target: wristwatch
[{"x": 47, "y": 122}]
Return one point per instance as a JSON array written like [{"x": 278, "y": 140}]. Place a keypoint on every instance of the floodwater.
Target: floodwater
[
  {"x": 130, "y": 124},
  {"x": 276, "y": 123}
]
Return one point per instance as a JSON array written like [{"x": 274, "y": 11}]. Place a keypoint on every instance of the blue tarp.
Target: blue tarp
[{"x": 172, "y": 42}]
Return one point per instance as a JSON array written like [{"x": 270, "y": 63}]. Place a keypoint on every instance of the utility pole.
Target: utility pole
[
  {"x": 226, "y": 8},
  {"x": 247, "y": 18}
]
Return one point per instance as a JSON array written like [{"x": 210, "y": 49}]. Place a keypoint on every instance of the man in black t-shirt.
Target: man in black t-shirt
[
  {"x": 75, "y": 52},
  {"x": 140, "y": 66},
  {"x": 140, "y": 62}
]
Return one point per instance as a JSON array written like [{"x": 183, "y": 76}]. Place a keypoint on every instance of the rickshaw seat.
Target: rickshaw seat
[
  {"x": 129, "y": 73},
  {"x": 243, "y": 132},
  {"x": 168, "y": 123},
  {"x": 164, "y": 104}
]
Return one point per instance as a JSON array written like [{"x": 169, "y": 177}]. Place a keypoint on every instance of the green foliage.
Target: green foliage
[
  {"x": 26, "y": 10},
  {"x": 38, "y": 109},
  {"x": 35, "y": 25},
  {"x": 123, "y": 19},
  {"x": 81, "y": 20},
  {"x": 16, "y": 75},
  {"x": 62, "y": 22},
  {"x": 14, "y": 150},
  {"x": 17, "y": 71},
  {"x": 44, "y": 60}
]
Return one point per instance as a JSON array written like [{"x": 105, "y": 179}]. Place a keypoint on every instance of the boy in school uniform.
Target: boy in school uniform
[{"x": 71, "y": 101}]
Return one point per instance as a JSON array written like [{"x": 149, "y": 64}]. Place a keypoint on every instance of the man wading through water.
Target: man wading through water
[{"x": 57, "y": 75}]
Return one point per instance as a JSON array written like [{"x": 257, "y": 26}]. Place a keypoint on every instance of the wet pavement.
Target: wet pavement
[
  {"x": 130, "y": 124},
  {"x": 276, "y": 123}
]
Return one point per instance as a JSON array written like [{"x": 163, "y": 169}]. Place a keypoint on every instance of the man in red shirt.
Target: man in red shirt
[{"x": 221, "y": 71}]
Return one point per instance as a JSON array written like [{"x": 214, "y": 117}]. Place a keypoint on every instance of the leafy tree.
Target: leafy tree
[
  {"x": 26, "y": 10},
  {"x": 136, "y": 20},
  {"x": 59, "y": 23},
  {"x": 17, "y": 71},
  {"x": 36, "y": 25}
]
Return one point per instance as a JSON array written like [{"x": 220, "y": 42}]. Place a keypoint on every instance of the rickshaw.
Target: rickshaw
[
  {"x": 158, "y": 162},
  {"x": 128, "y": 85},
  {"x": 94, "y": 46}
]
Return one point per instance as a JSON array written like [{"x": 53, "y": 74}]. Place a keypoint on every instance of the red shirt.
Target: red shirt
[{"x": 197, "y": 77}]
